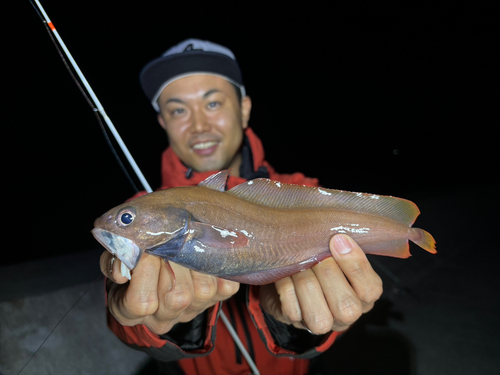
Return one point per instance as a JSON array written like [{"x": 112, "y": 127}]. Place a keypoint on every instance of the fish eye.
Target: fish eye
[{"x": 126, "y": 218}]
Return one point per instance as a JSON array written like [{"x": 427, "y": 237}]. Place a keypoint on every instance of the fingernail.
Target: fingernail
[{"x": 342, "y": 244}]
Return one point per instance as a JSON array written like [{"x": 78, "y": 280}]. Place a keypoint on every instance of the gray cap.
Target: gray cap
[{"x": 189, "y": 57}]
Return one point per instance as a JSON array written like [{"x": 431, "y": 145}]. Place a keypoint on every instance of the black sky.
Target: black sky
[{"x": 397, "y": 100}]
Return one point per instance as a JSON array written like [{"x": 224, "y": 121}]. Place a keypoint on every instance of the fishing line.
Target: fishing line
[
  {"x": 97, "y": 107},
  {"x": 60, "y": 321}
]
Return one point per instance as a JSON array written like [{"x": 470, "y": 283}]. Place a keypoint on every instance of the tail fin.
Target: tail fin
[{"x": 423, "y": 239}]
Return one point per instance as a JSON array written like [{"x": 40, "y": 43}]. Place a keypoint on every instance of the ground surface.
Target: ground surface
[{"x": 438, "y": 315}]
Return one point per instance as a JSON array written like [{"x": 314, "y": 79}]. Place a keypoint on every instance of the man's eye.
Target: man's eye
[
  {"x": 213, "y": 104},
  {"x": 177, "y": 111}
]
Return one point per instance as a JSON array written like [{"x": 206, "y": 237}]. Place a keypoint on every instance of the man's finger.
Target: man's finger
[
  {"x": 111, "y": 268},
  {"x": 105, "y": 262},
  {"x": 344, "y": 304},
  {"x": 204, "y": 288},
  {"x": 141, "y": 297},
  {"x": 289, "y": 311},
  {"x": 316, "y": 313},
  {"x": 176, "y": 300},
  {"x": 356, "y": 267},
  {"x": 226, "y": 289}
]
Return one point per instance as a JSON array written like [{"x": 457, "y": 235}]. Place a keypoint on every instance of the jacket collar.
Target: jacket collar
[{"x": 175, "y": 173}]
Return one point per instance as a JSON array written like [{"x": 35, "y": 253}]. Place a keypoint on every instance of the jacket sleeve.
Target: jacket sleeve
[
  {"x": 285, "y": 339},
  {"x": 185, "y": 340}
]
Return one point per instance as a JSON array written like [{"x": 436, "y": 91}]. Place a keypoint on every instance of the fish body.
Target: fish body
[{"x": 259, "y": 231}]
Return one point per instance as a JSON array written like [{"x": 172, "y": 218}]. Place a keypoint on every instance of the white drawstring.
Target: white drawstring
[{"x": 238, "y": 342}]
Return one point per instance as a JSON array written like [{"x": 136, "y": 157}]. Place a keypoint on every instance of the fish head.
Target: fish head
[{"x": 128, "y": 230}]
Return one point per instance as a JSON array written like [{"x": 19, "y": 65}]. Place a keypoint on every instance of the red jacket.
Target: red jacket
[{"x": 261, "y": 334}]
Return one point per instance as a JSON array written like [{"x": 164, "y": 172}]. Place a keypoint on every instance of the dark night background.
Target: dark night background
[{"x": 396, "y": 99}]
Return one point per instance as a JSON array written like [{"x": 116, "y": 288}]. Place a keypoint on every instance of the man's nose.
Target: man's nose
[{"x": 200, "y": 122}]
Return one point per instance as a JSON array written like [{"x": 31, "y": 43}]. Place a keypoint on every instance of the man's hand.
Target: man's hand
[
  {"x": 332, "y": 295},
  {"x": 153, "y": 299}
]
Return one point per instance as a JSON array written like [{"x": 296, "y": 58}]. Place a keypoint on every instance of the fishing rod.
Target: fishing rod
[
  {"x": 98, "y": 108},
  {"x": 95, "y": 103}
]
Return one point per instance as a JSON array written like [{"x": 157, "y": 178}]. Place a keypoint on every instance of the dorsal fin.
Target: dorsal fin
[
  {"x": 216, "y": 181},
  {"x": 280, "y": 195}
]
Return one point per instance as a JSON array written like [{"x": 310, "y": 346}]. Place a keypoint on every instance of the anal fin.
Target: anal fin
[{"x": 272, "y": 275}]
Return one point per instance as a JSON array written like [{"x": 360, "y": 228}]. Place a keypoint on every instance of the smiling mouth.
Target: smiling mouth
[{"x": 204, "y": 145}]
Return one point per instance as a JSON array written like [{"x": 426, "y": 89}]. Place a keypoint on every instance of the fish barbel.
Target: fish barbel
[{"x": 257, "y": 232}]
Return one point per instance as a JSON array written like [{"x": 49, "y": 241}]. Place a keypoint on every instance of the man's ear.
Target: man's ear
[
  {"x": 162, "y": 122},
  {"x": 246, "y": 108}
]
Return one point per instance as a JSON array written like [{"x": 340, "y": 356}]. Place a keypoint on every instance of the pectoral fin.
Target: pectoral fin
[{"x": 211, "y": 236}]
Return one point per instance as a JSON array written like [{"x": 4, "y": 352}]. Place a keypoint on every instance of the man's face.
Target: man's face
[{"x": 204, "y": 122}]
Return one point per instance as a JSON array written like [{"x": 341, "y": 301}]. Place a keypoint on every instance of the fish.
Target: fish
[{"x": 257, "y": 232}]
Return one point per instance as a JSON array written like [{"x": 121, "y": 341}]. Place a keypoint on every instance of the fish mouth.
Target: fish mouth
[{"x": 123, "y": 248}]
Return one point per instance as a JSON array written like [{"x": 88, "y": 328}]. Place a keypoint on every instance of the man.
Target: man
[{"x": 197, "y": 89}]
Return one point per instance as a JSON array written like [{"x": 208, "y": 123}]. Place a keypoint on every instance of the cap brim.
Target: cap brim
[{"x": 160, "y": 72}]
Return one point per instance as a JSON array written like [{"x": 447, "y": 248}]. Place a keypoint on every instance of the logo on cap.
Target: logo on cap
[{"x": 190, "y": 47}]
